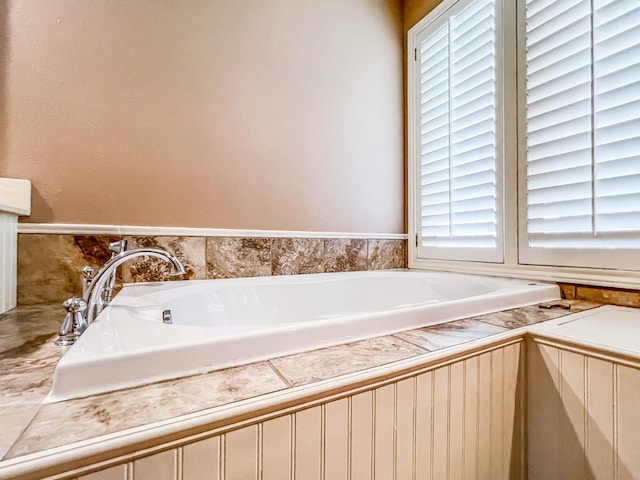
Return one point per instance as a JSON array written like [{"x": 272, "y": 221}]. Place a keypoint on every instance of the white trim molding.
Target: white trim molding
[
  {"x": 87, "y": 229},
  {"x": 626, "y": 279},
  {"x": 15, "y": 200}
]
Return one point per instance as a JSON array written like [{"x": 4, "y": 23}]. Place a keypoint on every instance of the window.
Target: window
[
  {"x": 582, "y": 161},
  {"x": 457, "y": 134},
  {"x": 524, "y": 138}
]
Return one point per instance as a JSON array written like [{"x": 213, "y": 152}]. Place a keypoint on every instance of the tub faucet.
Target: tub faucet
[{"x": 85, "y": 310}]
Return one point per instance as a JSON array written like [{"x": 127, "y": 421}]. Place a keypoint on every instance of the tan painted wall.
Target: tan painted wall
[
  {"x": 269, "y": 114},
  {"x": 415, "y": 10}
]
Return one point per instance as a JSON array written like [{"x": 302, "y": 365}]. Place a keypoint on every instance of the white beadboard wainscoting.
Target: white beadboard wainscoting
[
  {"x": 459, "y": 418},
  {"x": 15, "y": 200},
  {"x": 8, "y": 260},
  {"x": 583, "y": 411},
  {"x": 583, "y": 377}
]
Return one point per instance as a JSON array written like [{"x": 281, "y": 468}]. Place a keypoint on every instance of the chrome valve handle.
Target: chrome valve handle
[
  {"x": 118, "y": 247},
  {"x": 74, "y": 322}
]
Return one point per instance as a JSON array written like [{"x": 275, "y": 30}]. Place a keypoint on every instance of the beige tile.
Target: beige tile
[
  {"x": 229, "y": 257},
  {"x": 330, "y": 362},
  {"x": 625, "y": 298},
  {"x": 581, "y": 305},
  {"x": 26, "y": 371},
  {"x": 520, "y": 317},
  {"x": 292, "y": 256},
  {"x": 567, "y": 290},
  {"x": 345, "y": 255},
  {"x": 27, "y": 323},
  {"x": 448, "y": 334},
  {"x": 385, "y": 254},
  {"x": 49, "y": 266},
  {"x": 90, "y": 417},
  {"x": 14, "y": 420},
  {"x": 190, "y": 250}
]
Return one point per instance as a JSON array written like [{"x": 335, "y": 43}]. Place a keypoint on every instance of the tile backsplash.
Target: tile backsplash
[
  {"x": 611, "y": 296},
  {"x": 49, "y": 265}
]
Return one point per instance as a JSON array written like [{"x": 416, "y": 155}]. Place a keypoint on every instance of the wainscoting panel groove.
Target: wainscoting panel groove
[
  {"x": 405, "y": 425},
  {"x": 276, "y": 447},
  {"x": 336, "y": 439},
  {"x": 308, "y": 459},
  {"x": 628, "y": 422}
]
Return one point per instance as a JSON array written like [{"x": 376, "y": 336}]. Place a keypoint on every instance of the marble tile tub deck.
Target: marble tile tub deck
[{"x": 28, "y": 358}]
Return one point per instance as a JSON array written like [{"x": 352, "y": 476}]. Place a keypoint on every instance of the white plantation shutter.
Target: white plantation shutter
[
  {"x": 582, "y": 132},
  {"x": 458, "y": 127}
]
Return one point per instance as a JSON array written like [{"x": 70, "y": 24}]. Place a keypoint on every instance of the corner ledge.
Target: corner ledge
[{"x": 15, "y": 196}]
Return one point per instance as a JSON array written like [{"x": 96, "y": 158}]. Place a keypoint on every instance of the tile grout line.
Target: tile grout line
[
  {"x": 409, "y": 342},
  {"x": 280, "y": 374}
]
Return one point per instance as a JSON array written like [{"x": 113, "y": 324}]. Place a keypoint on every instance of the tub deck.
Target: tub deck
[{"x": 28, "y": 358}]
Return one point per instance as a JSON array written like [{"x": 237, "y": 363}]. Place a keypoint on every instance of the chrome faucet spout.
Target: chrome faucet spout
[
  {"x": 94, "y": 293},
  {"x": 97, "y": 289}
]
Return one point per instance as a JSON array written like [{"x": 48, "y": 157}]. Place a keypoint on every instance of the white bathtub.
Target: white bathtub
[{"x": 220, "y": 323}]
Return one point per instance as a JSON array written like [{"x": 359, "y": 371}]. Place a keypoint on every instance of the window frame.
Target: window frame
[
  {"x": 422, "y": 29},
  {"x": 514, "y": 184}
]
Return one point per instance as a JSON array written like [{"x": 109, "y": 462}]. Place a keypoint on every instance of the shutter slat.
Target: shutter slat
[
  {"x": 559, "y": 193},
  {"x": 569, "y": 208},
  {"x": 561, "y": 146},
  {"x": 619, "y": 222},
  {"x": 573, "y": 86},
  {"x": 565, "y": 224}
]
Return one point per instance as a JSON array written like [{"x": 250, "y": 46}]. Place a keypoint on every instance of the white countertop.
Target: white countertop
[
  {"x": 611, "y": 328},
  {"x": 15, "y": 196}
]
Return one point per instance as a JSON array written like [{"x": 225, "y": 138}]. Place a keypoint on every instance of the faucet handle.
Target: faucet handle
[
  {"x": 75, "y": 307},
  {"x": 75, "y": 304},
  {"x": 118, "y": 247},
  {"x": 68, "y": 331}
]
